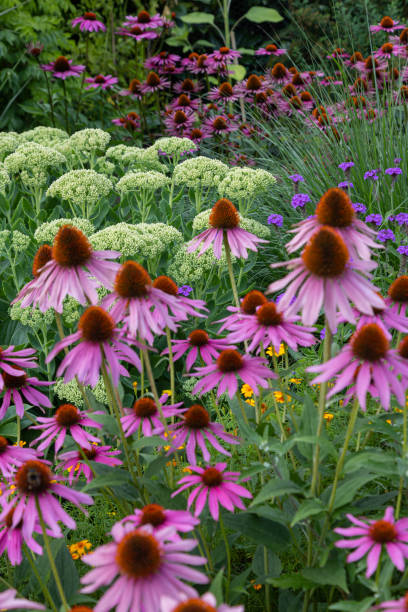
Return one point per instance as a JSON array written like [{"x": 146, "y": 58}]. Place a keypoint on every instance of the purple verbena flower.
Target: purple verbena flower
[
  {"x": 346, "y": 166},
  {"x": 371, "y": 174},
  {"x": 275, "y": 219},
  {"x": 385, "y": 234},
  {"x": 373, "y": 218},
  {"x": 184, "y": 290},
  {"x": 345, "y": 185},
  {"x": 296, "y": 178},
  {"x": 403, "y": 250},
  {"x": 402, "y": 218},
  {"x": 359, "y": 207},
  {"x": 299, "y": 200},
  {"x": 394, "y": 172}
]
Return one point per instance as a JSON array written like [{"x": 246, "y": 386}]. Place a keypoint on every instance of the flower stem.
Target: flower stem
[
  {"x": 227, "y": 550},
  {"x": 49, "y": 96},
  {"x": 267, "y": 586},
  {"x": 286, "y": 404},
  {"x": 37, "y": 574},
  {"x": 207, "y": 550},
  {"x": 171, "y": 366},
  {"x": 404, "y": 452},
  {"x": 65, "y": 106},
  {"x": 50, "y": 557},
  {"x": 231, "y": 271}
]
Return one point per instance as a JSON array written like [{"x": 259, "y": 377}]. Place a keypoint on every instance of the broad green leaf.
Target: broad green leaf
[
  {"x": 310, "y": 507},
  {"x": 379, "y": 462},
  {"x": 194, "y": 18},
  {"x": 349, "y": 487},
  {"x": 274, "y": 565},
  {"x": 110, "y": 479},
  {"x": 263, "y": 531},
  {"x": 353, "y": 606},
  {"x": 238, "y": 71},
  {"x": 291, "y": 581},
  {"x": 333, "y": 574},
  {"x": 276, "y": 488},
  {"x": 149, "y": 441},
  {"x": 216, "y": 586},
  {"x": 262, "y": 14}
]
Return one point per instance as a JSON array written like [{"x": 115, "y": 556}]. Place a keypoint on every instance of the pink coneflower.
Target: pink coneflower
[
  {"x": 144, "y": 20},
  {"x": 249, "y": 305},
  {"x": 398, "y": 295},
  {"x": 18, "y": 389},
  {"x": 188, "y": 86},
  {"x": 279, "y": 74},
  {"x": 324, "y": 275},
  {"x": 143, "y": 308},
  {"x": 67, "y": 419},
  {"x": 130, "y": 121},
  {"x": 163, "y": 60},
  {"x": 387, "y": 533},
  {"x": 223, "y": 93},
  {"x": 74, "y": 269},
  {"x": 96, "y": 453},
  {"x": 205, "y": 603},
  {"x": 183, "y": 307},
  {"x": 103, "y": 82},
  {"x": 394, "y": 605},
  {"x": 270, "y": 50},
  {"x": 162, "y": 518},
  {"x": 220, "y": 486},
  {"x": 88, "y": 22},
  {"x": 387, "y": 25},
  {"x": 137, "y": 33},
  {"x": 196, "y": 135},
  {"x": 368, "y": 362},
  {"x": 225, "y": 371},
  {"x": 198, "y": 345},
  {"x": 223, "y": 55},
  {"x": 33, "y": 482},
  {"x": 389, "y": 50},
  {"x": 154, "y": 82},
  {"x": 224, "y": 222},
  {"x": 98, "y": 337},
  {"x": 179, "y": 121},
  {"x": 8, "y": 601},
  {"x": 386, "y": 318},
  {"x": 134, "y": 90},
  {"x": 194, "y": 430},
  {"x": 21, "y": 359},
  {"x": 13, "y": 538},
  {"x": 335, "y": 210},
  {"x": 270, "y": 324},
  {"x": 184, "y": 102},
  {"x": 11, "y": 457},
  {"x": 145, "y": 415},
  {"x": 145, "y": 565},
  {"x": 219, "y": 125},
  {"x": 62, "y": 68},
  {"x": 202, "y": 64}
]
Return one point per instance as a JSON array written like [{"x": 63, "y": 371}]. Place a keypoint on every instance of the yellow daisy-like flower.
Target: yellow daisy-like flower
[
  {"x": 271, "y": 351},
  {"x": 79, "y": 549},
  {"x": 167, "y": 391},
  {"x": 187, "y": 470},
  {"x": 134, "y": 384},
  {"x": 280, "y": 397},
  {"x": 389, "y": 421},
  {"x": 246, "y": 390},
  {"x": 21, "y": 443},
  {"x": 328, "y": 416},
  {"x": 295, "y": 381},
  {"x": 251, "y": 402},
  {"x": 399, "y": 409}
]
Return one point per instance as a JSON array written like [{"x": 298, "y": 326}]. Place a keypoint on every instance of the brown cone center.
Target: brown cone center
[
  {"x": 67, "y": 415},
  {"x": 153, "y": 514},
  {"x": 166, "y": 284},
  {"x": 138, "y": 555},
  {"x": 224, "y": 215},
  {"x": 3, "y": 444},
  {"x": 132, "y": 280},
  {"x": 33, "y": 477},
  {"x": 212, "y": 477},
  {"x": 61, "y": 64},
  {"x": 251, "y": 301},
  {"x": 335, "y": 209},
  {"x": 229, "y": 361},
  {"x": 153, "y": 79},
  {"x": 196, "y": 417},
  {"x": 14, "y": 382},
  {"x": 398, "y": 291},
  {"x": 42, "y": 256},
  {"x": 71, "y": 247},
  {"x": 144, "y": 407},
  {"x": 383, "y": 531},
  {"x": 198, "y": 337},
  {"x": 194, "y": 605},
  {"x": 268, "y": 315},
  {"x": 326, "y": 254},
  {"x": 369, "y": 343},
  {"x": 96, "y": 325}
]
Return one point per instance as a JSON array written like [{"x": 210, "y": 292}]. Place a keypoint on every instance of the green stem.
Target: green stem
[
  {"x": 286, "y": 404},
  {"x": 65, "y": 106},
  {"x": 36, "y": 573},
  {"x": 404, "y": 452},
  {"x": 18, "y": 430},
  {"x": 49, "y": 96},
  {"x": 50, "y": 557},
  {"x": 171, "y": 366},
  {"x": 228, "y": 552},
  {"x": 267, "y": 586},
  {"x": 207, "y": 550},
  {"x": 231, "y": 271}
]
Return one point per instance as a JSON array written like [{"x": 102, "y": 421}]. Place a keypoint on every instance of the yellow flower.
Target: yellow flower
[
  {"x": 251, "y": 402},
  {"x": 280, "y": 397},
  {"x": 328, "y": 416},
  {"x": 389, "y": 421},
  {"x": 399, "y": 409},
  {"x": 167, "y": 391},
  {"x": 271, "y": 351},
  {"x": 112, "y": 513},
  {"x": 21, "y": 443},
  {"x": 247, "y": 391},
  {"x": 295, "y": 381},
  {"x": 187, "y": 470},
  {"x": 257, "y": 587},
  {"x": 173, "y": 462},
  {"x": 134, "y": 384},
  {"x": 79, "y": 549},
  {"x": 341, "y": 402}
]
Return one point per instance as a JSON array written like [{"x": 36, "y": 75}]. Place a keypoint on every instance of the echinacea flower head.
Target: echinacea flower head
[
  {"x": 67, "y": 419},
  {"x": 154, "y": 82},
  {"x": 145, "y": 415},
  {"x": 33, "y": 484},
  {"x": 141, "y": 565},
  {"x": 325, "y": 276},
  {"x": 161, "y": 518},
  {"x": 12, "y": 538},
  {"x": 386, "y": 533},
  {"x": 11, "y": 457},
  {"x": 270, "y": 49},
  {"x": 62, "y": 68},
  {"x": 336, "y": 211},
  {"x": 88, "y": 22},
  {"x": 98, "y": 337},
  {"x": 104, "y": 455},
  {"x": 218, "y": 126},
  {"x": 214, "y": 483},
  {"x": 137, "y": 33},
  {"x": 22, "y": 359},
  {"x": 144, "y": 20},
  {"x": 394, "y": 605},
  {"x": 369, "y": 365},
  {"x": 398, "y": 295},
  {"x": 101, "y": 81},
  {"x": 205, "y": 603},
  {"x": 195, "y": 429},
  {"x": 387, "y": 25},
  {"x": 248, "y": 306},
  {"x": 224, "y": 222},
  {"x": 9, "y": 601},
  {"x": 22, "y": 387},
  {"x": 224, "y": 55},
  {"x": 229, "y": 367},
  {"x": 74, "y": 269},
  {"x": 198, "y": 345}
]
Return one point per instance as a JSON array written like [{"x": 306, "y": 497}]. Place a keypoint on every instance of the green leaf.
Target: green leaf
[
  {"x": 263, "y": 531},
  {"x": 262, "y": 14},
  {"x": 216, "y": 586},
  {"x": 333, "y": 574},
  {"x": 291, "y": 581},
  {"x": 194, "y": 18},
  {"x": 149, "y": 441},
  {"x": 274, "y": 567},
  {"x": 111, "y": 479},
  {"x": 349, "y": 487},
  {"x": 276, "y": 488},
  {"x": 238, "y": 72},
  {"x": 310, "y": 507},
  {"x": 353, "y": 606},
  {"x": 379, "y": 462}
]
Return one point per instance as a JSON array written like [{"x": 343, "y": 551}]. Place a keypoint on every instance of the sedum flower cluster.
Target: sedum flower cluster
[
  {"x": 138, "y": 181},
  {"x": 174, "y": 146},
  {"x": 47, "y": 136},
  {"x": 89, "y": 140},
  {"x": 9, "y": 142},
  {"x": 16, "y": 240},
  {"x": 201, "y": 222},
  {"x": 81, "y": 188},
  {"x": 33, "y": 163},
  {"x": 70, "y": 392},
  {"x": 71, "y": 311},
  {"x": 135, "y": 158},
  {"x": 46, "y": 232},
  {"x": 4, "y": 178},
  {"x": 31, "y": 317},
  {"x": 145, "y": 240},
  {"x": 245, "y": 183},
  {"x": 200, "y": 172},
  {"x": 190, "y": 268}
]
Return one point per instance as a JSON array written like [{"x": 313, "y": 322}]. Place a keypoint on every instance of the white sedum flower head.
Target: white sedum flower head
[
  {"x": 135, "y": 158},
  {"x": 33, "y": 162},
  {"x": 20, "y": 242},
  {"x": 81, "y": 187},
  {"x": 46, "y": 232},
  {"x": 31, "y": 317},
  {"x": 200, "y": 172},
  {"x": 71, "y": 312},
  {"x": 144, "y": 240},
  {"x": 201, "y": 223},
  {"x": 190, "y": 268},
  {"x": 4, "y": 238},
  {"x": 89, "y": 140},
  {"x": 47, "y": 136},
  {"x": 173, "y": 145},
  {"x": 4, "y": 177},
  {"x": 245, "y": 183},
  {"x": 9, "y": 141},
  {"x": 71, "y": 393},
  {"x": 137, "y": 181}
]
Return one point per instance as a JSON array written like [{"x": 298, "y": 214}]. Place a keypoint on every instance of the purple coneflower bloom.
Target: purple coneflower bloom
[
  {"x": 271, "y": 325},
  {"x": 385, "y": 317},
  {"x": 385, "y": 234},
  {"x": 62, "y": 68},
  {"x": 202, "y": 64},
  {"x": 8, "y": 601},
  {"x": 224, "y": 55},
  {"x": 103, "y": 82},
  {"x": 275, "y": 219},
  {"x": 145, "y": 565},
  {"x": 162, "y": 518},
  {"x": 394, "y": 605},
  {"x": 196, "y": 428},
  {"x": 145, "y": 415},
  {"x": 13, "y": 538},
  {"x": 137, "y": 33},
  {"x": 205, "y": 603},
  {"x": 218, "y": 125},
  {"x": 372, "y": 537},
  {"x": 96, "y": 453},
  {"x": 73, "y": 268},
  {"x": 33, "y": 482},
  {"x": 225, "y": 371},
  {"x": 389, "y": 50},
  {"x": 198, "y": 345},
  {"x": 218, "y": 485},
  {"x": 398, "y": 294},
  {"x": 375, "y": 219},
  {"x": 22, "y": 387},
  {"x": 324, "y": 275},
  {"x": 11, "y": 457},
  {"x": 224, "y": 222},
  {"x": 345, "y": 166},
  {"x": 187, "y": 86},
  {"x": 270, "y": 50},
  {"x": 88, "y": 22},
  {"x": 223, "y": 93},
  {"x": 144, "y": 20},
  {"x": 66, "y": 419},
  {"x": 367, "y": 362},
  {"x": 249, "y": 304},
  {"x": 129, "y": 122},
  {"x": 21, "y": 359},
  {"x": 184, "y": 102},
  {"x": 299, "y": 200},
  {"x": 162, "y": 60},
  {"x": 98, "y": 337},
  {"x": 180, "y": 121},
  {"x": 335, "y": 210},
  {"x": 153, "y": 83},
  {"x": 133, "y": 90},
  {"x": 387, "y": 25}
]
